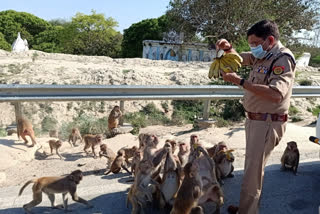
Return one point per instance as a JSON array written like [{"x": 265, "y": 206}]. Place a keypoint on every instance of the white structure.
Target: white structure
[
  {"x": 20, "y": 45},
  {"x": 303, "y": 60},
  {"x": 173, "y": 48}
]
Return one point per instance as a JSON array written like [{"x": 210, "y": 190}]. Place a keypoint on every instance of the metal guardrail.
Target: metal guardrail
[{"x": 26, "y": 93}]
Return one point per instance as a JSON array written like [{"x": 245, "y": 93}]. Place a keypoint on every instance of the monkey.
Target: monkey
[
  {"x": 212, "y": 194},
  {"x": 143, "y": 138},
  {"x": 74, "y": 136},
  {"x": 24, "y": 128},
  {"x": 137, "y": 156},
  {"x": 129, "y": 152},
  {"x": 211, "y": 150},
  {"x": 55, "y": 144},
  {"x": 52, "y": 185},
  {"x": 183, "y": 153},
  {"x": 114, "y": 117},
  {"x": 190, "y": 190},
  {"x": 290, "y": 157},
  {"x": 141, "y": 191},
  {"x": 223, "y": 159},
  {"x": 197, "y": 210},
  {"x": 171, "y": 177},
  {"x": 91, "y": 141},
  {"x": 118, "y": 163},
  {"x": 105, "y": 151},
  {"x": 174, "y": 145},
  {"x": 207, "y": 172},
  {"x": 194, "y": 142}
]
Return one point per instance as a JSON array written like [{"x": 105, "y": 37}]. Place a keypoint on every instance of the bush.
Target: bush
[
  {"x": 186, "y": 111},
  {"x": 3, "y": 132},
  {"x": 137, "y": 120},
  {"x": 293, "y": 110},
  {"x": 316, "y": 110},
  {"x": 220, "y": 122},
  {"x": 296, "y": 119},
  {"x": 305, "y": 82},
  {"x": 86, "y": 124},
  {"x": 48, "y": 123}
]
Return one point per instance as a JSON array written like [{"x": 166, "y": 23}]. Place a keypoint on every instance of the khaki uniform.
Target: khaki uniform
[{"x": 263, "y": 136}]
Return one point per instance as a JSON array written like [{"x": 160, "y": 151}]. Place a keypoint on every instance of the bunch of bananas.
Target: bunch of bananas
[{"x": 227, "y": 62}]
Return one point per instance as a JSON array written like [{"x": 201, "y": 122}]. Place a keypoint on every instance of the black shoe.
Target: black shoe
[{"x": 233, "y": 209}]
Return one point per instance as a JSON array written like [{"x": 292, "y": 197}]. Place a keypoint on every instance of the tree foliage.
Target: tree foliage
[
  {"x": 12, "y": 22},
  {"x": 4, "y": 45},
  {"x": 91, "y": 35},
  {"x": 231, "y": 19},
  {"x": 151, "y": 29}
]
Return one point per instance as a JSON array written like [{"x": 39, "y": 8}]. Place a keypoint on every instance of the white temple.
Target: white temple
[{"x": 20, "y": 45}]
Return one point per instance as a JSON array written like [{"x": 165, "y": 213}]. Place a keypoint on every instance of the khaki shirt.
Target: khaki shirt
[{"x": 280, "y": 79}]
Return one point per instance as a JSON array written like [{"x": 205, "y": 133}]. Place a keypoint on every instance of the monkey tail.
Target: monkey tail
[{"x": 26, "y": 184}]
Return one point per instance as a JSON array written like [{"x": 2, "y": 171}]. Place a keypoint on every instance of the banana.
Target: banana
[{"x": 228, "y": 62}]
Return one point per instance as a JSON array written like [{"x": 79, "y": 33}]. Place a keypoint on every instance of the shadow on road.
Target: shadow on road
[{"x": 12, "y": 144}]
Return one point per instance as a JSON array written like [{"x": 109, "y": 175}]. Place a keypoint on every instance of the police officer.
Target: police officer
[{"x": 267, "y": 94}]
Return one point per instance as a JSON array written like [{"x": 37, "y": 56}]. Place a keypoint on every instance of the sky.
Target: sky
[{"x": 125, "y": 12}]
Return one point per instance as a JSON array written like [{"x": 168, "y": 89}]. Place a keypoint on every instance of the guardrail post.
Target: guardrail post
[
  {"x": 122, "y": 110},
  {"x": 206, "y": 109},
  {"x": 18, "y": 111}
]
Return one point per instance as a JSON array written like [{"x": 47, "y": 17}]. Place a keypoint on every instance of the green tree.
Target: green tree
[
  {"x": 91, "y": 35},
  {"x": 4, "y": 45},
  {"x": 152, "y": 29},
  {"x": 48, "y": 40},
  {"x": 231, "y": 19},
  {"x": 12, "y": 22}
]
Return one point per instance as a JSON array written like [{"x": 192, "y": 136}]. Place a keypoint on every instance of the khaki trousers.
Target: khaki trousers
[{"x": 261, "y": 138}]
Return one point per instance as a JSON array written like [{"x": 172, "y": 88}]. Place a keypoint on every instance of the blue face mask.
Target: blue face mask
[{"x": 258, "y": 51}]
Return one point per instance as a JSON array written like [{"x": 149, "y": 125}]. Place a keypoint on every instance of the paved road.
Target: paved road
[{"x": 283, "y": 193}]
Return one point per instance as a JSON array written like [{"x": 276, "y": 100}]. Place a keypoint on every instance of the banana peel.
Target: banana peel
[{"x": 228, "y": 62}]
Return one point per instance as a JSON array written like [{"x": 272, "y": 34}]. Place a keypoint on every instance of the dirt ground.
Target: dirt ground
[{"x": 19, "y": 162}]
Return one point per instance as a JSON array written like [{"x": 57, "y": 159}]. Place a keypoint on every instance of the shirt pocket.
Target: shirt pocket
[{"x": 259, "y": 78}]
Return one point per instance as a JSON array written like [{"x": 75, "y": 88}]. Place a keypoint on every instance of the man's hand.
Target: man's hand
[
  {"x": 222, "y": 44},
  {"x": 231, "y": 77}
]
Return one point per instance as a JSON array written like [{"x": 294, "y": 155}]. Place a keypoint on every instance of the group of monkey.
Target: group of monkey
[{"x": 182, "y": 177}]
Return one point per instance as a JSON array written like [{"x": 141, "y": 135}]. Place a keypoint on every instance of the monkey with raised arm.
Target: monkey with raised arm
[
  {"x": 55, "y": 144},
  {"x": 91, "y": 141},
  {"x": 290, "y": 157},
  {"x": 143, "y": 137},
  {"x": 74, "y": 136},
  {"x": 224, "y": 159},
  {"x": 24, "y": 128},
  {"x": 50, "y": 186}
]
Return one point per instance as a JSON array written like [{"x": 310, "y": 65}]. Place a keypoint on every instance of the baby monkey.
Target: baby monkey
[{"x": 290, "y": 157}]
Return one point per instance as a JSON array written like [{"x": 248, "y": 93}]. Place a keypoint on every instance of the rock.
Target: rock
[{"x": 204, "y": 124}]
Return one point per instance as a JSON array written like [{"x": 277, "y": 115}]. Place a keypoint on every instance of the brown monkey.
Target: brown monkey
[
  {"x": 143, "y": 137},
  {"x": 52, "y": 185},
  {"x": 24, "y": 128},
  {"x": 183, "y": 153},
  {"x": 55, "y": 144},
  {"x": 194, "y": 142},
  {"x": 128, "y": 153},
  {"x": 190, "y": 190},
  {"x": 91, "y": 141},
  {"x": 105, "y": 151},
  {"x": 290, "y": 157},
  {"x": 137, "y": 156},
  {"x": 118, "y": 163},
  {"x": 141, "y": 191},
  {"x": 171, "y": 178},
  {"x": 173, "y": 143},
  {"x": 223, "y": 159},
  {"x": 74, "y": 136},
  {"x": 114, "y": 117}
]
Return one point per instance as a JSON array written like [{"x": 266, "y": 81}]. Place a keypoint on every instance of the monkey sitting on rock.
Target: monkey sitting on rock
[{"x": 290, "y": 157}]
